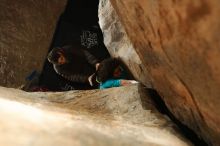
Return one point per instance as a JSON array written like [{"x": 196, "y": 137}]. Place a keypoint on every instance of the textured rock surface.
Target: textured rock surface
[
  {"x": 26, "y": 30},
  {"x": 116, "y": 116},
  {"x": 118, "y": 43},
  {"x": 178, "y": 44}
]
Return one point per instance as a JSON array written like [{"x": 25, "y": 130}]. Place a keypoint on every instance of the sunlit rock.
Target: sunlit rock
[
  {"x": 116, "y": 116},
  {"x": 118, "y": 43}
]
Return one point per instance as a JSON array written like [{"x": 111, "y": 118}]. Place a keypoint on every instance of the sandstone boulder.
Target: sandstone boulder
[
  {"x": 118, "y": 43},
  {"x": 178, "y": 45},
  {"x": 116, "y": 116},
  {"x": 26, "y": 29}
]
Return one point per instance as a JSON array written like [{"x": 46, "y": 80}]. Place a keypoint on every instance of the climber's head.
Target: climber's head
[
  {"x": 57, "y": 56},
  {"x": 108, "y": 68}
]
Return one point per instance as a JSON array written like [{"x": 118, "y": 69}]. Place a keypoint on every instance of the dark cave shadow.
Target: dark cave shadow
[
  {"x": 162, "y": 108},
  {"x": 79, "y": 16}
]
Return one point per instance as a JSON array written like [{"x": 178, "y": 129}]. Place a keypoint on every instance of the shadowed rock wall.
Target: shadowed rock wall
[
  {"x": 26, "y": 30},
  {"x": 178, "y": 43}
]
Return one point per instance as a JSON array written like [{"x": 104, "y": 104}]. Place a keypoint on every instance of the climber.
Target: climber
[
  {"x": 110, "y": 73},
  {"x": 73, "y": 64}
]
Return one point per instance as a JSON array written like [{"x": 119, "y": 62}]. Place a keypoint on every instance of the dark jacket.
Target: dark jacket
[{"x": 81, "y": 64}]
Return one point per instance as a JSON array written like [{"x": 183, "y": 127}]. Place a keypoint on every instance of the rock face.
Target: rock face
[
  {"x": 26, "y": 29},
  {"x": 118, "y": 43},
  {"x": 116, "y": 116},
  {"x": 178, "y": 44}
]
